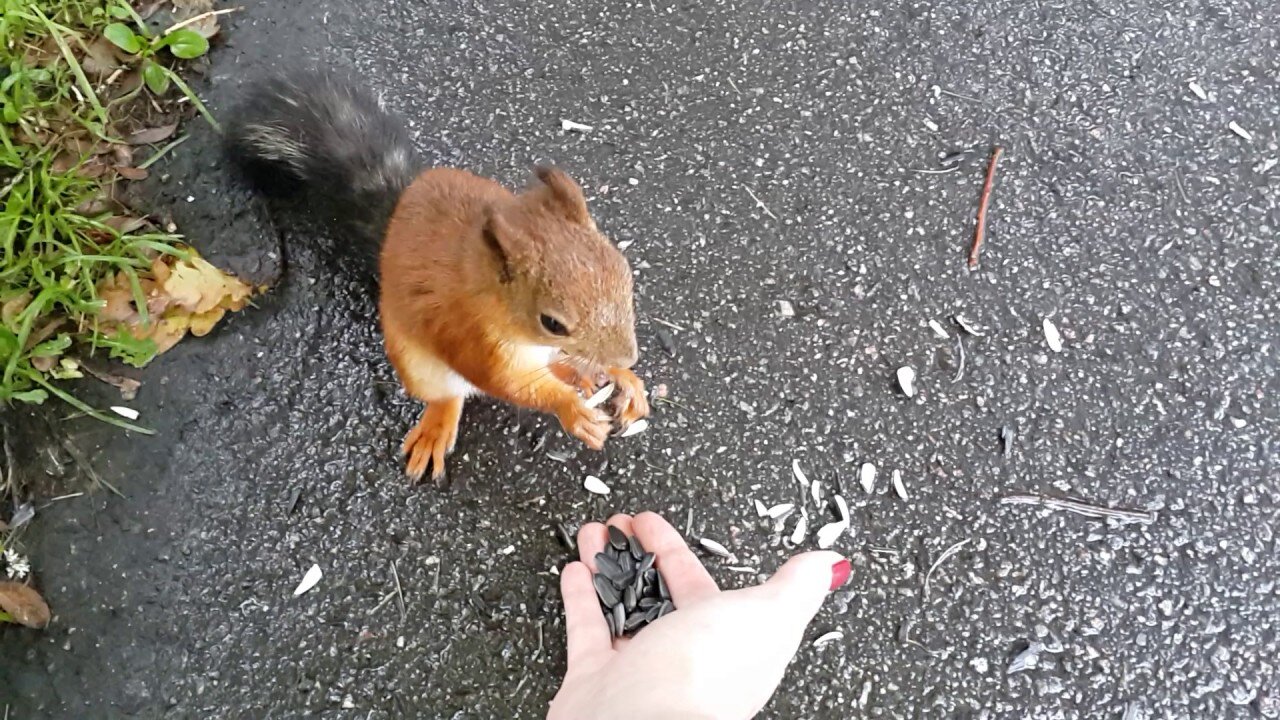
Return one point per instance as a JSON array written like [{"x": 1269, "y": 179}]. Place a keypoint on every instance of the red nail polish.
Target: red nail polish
[{"x": 840, "y": 573}]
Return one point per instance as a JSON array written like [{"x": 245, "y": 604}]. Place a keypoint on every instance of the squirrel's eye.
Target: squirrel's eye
[{"x": 554, "y": 326}]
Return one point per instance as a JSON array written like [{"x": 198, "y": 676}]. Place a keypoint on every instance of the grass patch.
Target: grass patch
[{"x": 84, "y": 86}]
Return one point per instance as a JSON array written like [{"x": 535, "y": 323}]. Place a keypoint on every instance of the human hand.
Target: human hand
[{"x": 718, "y": 655}]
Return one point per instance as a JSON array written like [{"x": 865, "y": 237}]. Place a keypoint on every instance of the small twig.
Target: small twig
[
  {"x": 941, "y": 559},
  {"x": 943, "y": 171},
  {"x": 436, "y": 589},
  {"x": 399, "y": 593},
  {"x": 538, "y": 652},
  {"x": 970, "y": 98},
  {"x": 382, "y": 603},
  {"x": 760, "y": 203},
  {"x": 12, "y": 183},
  {"x": 688, "y": 524},
  {"x": 197, "y": 18},
  {"x": 960, "y": 369},
  {"x": 735, "y": 87},
  {"x": 981, "y": 228},
  {"x": 1079, "y": 507},
  {"x": 1177, "y": 180},
  {"x": 669, "y": 324},
  {"x": 61, "y": 497},
  {"x": 83, "y": 462}
]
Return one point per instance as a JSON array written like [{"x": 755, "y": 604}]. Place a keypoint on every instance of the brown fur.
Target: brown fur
[{"x": 468, "y": 269}]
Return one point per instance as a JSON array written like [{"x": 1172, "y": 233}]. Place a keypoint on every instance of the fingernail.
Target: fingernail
[{"x": 840, "y": 574}]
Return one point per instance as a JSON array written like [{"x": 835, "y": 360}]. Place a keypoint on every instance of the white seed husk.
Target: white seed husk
[
  {"x": 600, "y": 396},
  {"x": 898, "y": 486},
  {"x": 842, "y": 508},
  {"x": 867, "y": 478},
  {"x": 715, "y": 548},
  {"x": 802, "y": 528},
  {"x": 761, "y": 510},
  {"x": 635, "y": 428},
  {"x": 967, "y": 326},
  {"x": 1234, "y": 127},
  {"x": 785, "y": 309},
  {"x": 571, "y": 126},
  {"x": 829, "y": 637},
  {"x": 829, "y": 533},
  {"x": 800, "y": 476},
  {"x": 1052, "y": 336},
  {"x": 1199, "y": 91},
  {"x": 595, "y": 485},
  {"x": 937, "y": 329},
  {"x": 125, "y": 412},
  {"x": 907, "y": 380},
  {"x": 780, "y": 510},
  {"x": 815, "y": 489},
  {"x": 309, "y": 580}
]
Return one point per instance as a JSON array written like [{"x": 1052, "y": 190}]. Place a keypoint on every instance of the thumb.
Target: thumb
[{"x": 804, "y": 581}]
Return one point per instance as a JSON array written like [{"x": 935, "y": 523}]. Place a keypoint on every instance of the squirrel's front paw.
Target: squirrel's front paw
[
  {"x": 630, "y": 402},
  {"x": 432, "y": 439},
  {"x": 590, "y": 425}
]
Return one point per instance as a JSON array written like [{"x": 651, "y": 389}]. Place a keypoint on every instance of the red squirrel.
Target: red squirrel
[{"x": 515, "y": 295}]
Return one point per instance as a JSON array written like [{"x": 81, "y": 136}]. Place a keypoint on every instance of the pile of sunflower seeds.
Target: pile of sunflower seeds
[{"x": 631, "y": 590}]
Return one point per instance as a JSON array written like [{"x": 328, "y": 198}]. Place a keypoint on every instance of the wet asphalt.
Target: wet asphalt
[{"x": 747, "y": 153}]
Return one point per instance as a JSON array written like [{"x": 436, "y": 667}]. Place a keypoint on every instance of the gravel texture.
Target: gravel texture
[{"x": 755, "y": 156}]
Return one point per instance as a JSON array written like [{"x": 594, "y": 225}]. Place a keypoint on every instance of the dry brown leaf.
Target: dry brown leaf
[
  {"x": 24, "y": 605},
  {"x": 169, "y": 331},
  {"x": 122, "y": 153},
  {"x": 160, "y": 269},
  {"x": 45, "y": 363},
  {"x": 131, "y": 173},
  {"x": 125, "y": 224},
  {"x": 200, "y": 287},
  {"x": 128, "y": 387},
  {"x": 152, "y": 135},
  {"x": 119, "y": 307},
  {"x": 10, "y": 309},
  {"x": 100, "y": 58},
  {"x": 44, "y": 332}
]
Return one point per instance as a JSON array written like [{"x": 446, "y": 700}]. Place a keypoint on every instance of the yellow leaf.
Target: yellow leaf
[{"x": 202, "y": 323}]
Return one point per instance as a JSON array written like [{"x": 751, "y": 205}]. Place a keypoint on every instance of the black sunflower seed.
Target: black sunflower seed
[
  {"x": 653, "y": 613},
  {"x": 648, "y": 603},
  {"x": 637, "y": 586},
  {"x": 634, "y": 621},
  {"x": 618, "y": 539},
  {"x": 608, "y": 595},
  {"x": 663, "y": 592},
  {"x": 609, "y": 567},
  {"x": 619, "y": 618},
  {"x": 627, "y": 563},
  {"x": 629, "y": 599},
  {"x": 645, "y": 562},
  {"x": 637, "y": 550},
  {"x": 608, "y": 619},
  {"x": 664, "y": 608}
]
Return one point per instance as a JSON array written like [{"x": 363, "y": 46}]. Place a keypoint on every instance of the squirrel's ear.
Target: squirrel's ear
[
  {"x": 497, "y": 237},
  {"x": 563, "y": 195}
]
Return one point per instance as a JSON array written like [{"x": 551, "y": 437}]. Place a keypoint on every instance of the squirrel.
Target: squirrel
[{"x": 518, "y": 296}]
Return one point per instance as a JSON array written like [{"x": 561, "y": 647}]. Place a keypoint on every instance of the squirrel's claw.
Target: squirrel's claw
[
  {"x": 432, "y": 439},
  {"x": 590, "y": 425},
  {"x": 630, "y": 401}
]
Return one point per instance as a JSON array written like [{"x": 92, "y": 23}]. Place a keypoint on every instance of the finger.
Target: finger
[
  {"x": 803, "y": 583},
  {"x": 585, "y": 628},
  {"x": 592, "y": 538},
  {"x": 681, "y": 570},
  {"x": 622, "y": 521}
]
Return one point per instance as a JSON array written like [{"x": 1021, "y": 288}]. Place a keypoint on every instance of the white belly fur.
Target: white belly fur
[{"x": 437, "y": 381}]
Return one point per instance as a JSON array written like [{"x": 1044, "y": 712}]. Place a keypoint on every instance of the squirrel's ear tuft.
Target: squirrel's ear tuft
[
  {"x": 497, "y": 237},
  {"x": 563, "y": 195}
]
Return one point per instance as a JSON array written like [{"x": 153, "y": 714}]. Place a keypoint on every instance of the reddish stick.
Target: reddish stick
[{"x": 981, "y": 230}]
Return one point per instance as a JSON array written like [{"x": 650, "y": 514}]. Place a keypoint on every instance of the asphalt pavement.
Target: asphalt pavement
[{"x": 775, "y": 171}]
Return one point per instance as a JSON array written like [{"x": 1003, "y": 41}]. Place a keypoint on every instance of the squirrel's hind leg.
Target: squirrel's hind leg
[{"x": 432, "y": 438}]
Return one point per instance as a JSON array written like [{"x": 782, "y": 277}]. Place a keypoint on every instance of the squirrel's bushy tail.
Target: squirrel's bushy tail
[{"x": 322, "y": 135}]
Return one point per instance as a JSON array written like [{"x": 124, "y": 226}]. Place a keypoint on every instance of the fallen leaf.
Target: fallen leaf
[
  {"x": 203, "y": 323},
  {"x": 24, "y": 605},
  {"x": 125, "y": 224},
  {"x": 128, "y": 387},
  {"x": 131, "y": 173},
  {"x": 200, "y": 287},
  {"x": 152, "y": 135},
  {"x": 100, "y": 58},
  {"x": 10, "y": 310}
]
